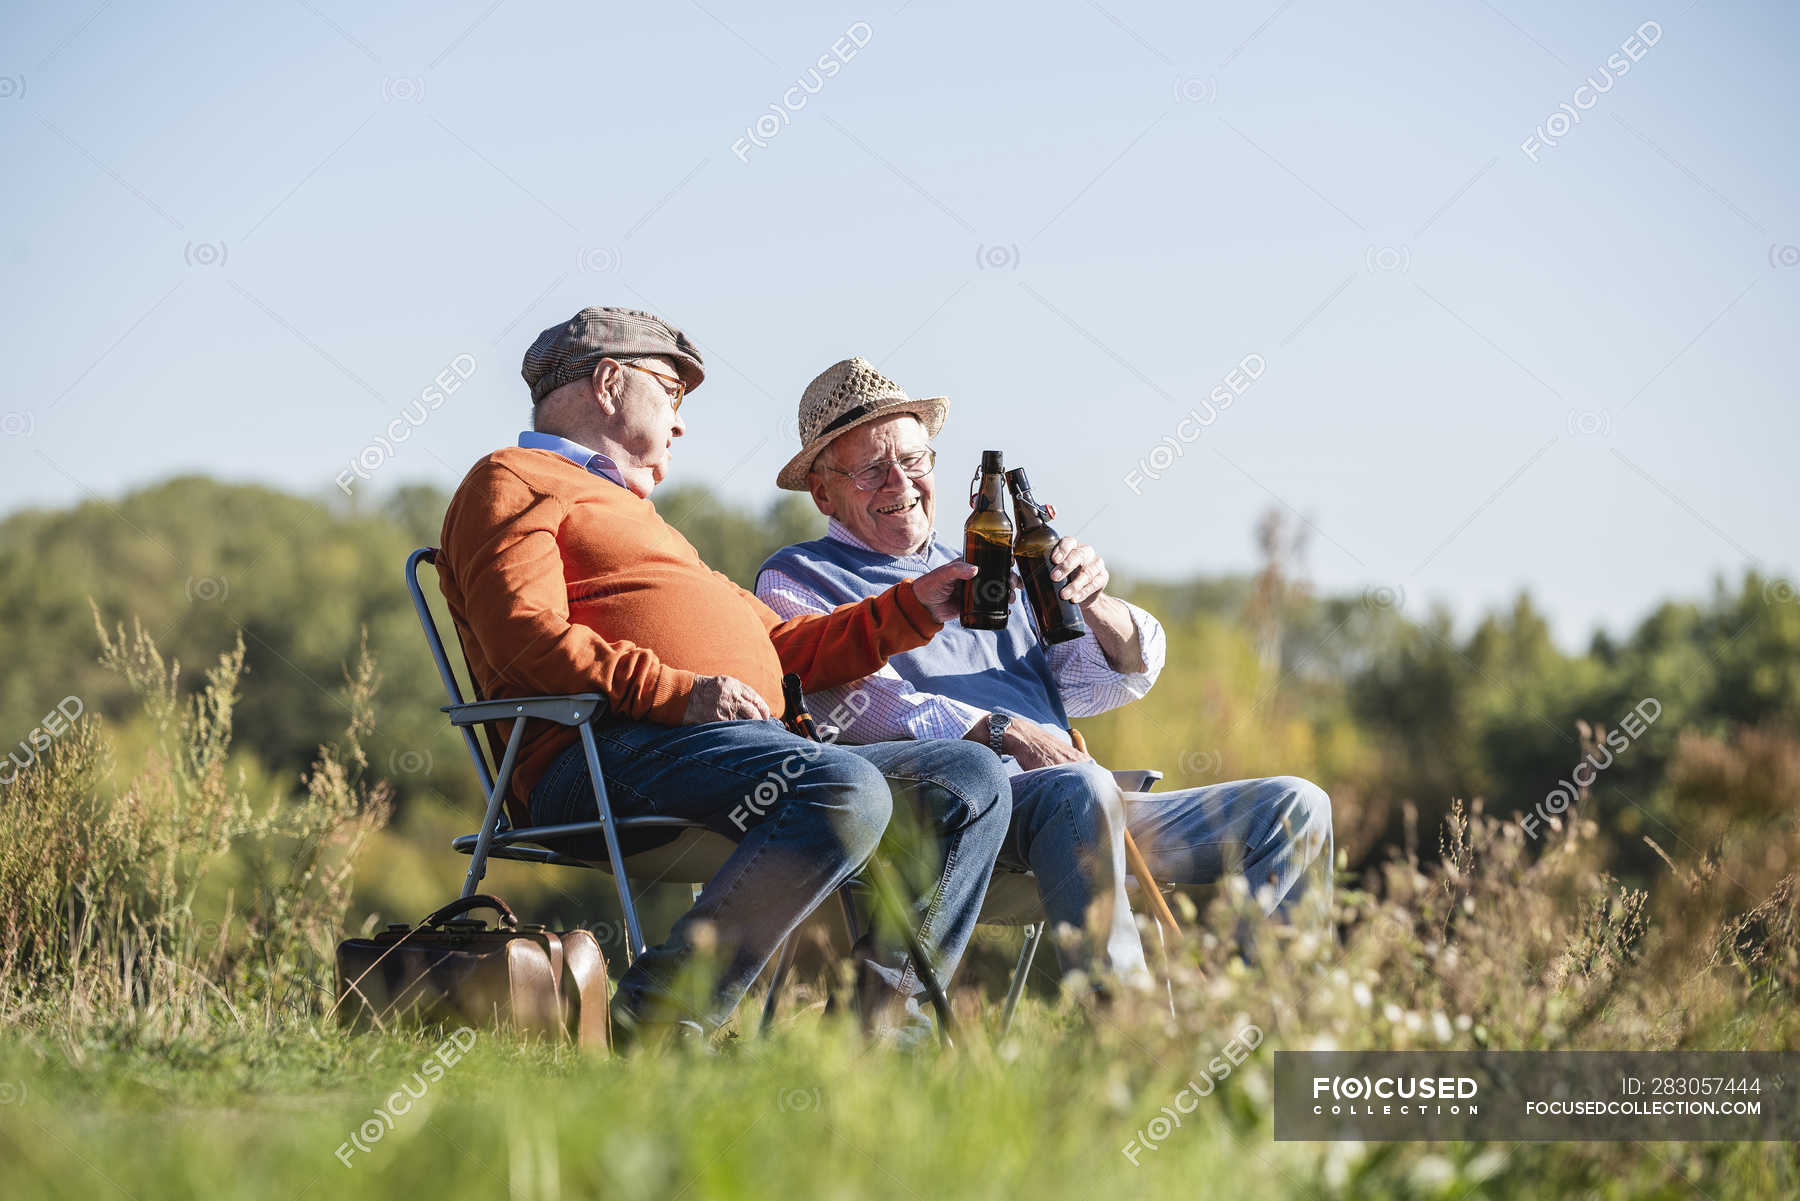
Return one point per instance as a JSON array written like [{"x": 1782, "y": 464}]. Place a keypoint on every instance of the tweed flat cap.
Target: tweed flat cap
[{"x": 570, "y": 351}]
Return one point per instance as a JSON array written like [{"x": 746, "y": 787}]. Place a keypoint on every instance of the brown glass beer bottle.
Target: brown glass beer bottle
[
  {"x": 987, "y": 543},
  {"x": 1058, "y": 620}
]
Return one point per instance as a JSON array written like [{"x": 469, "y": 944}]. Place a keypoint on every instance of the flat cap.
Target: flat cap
[{"x": 569, "y": 351}]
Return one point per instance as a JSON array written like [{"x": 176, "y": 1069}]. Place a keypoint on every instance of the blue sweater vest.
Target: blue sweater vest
[{"x": 990, "y": 669}]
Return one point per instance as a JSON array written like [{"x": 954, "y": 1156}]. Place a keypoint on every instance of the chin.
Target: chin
[{"x": 900, "y": 538}]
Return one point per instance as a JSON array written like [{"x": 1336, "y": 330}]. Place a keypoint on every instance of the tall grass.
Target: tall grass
[
  {"x": 173, "y": 901},
  {"x": 165, "y": 940}
]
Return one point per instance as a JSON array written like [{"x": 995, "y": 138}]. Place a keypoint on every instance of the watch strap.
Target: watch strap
[{"x": 997, "y": 723}]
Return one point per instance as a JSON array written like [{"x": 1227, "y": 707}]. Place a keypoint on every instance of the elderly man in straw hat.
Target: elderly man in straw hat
[
  {"x": 562, "y": 577},
  {"x": 867, "y": 461}
]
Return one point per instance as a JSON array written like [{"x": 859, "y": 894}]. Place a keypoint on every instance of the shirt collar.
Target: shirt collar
[
  {"x": 839, "y": 532},
  {"x": 575, "y": 452}
]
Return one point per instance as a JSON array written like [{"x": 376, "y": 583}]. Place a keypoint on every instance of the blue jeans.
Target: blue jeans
[
  {"x": 805, "y": 816},
  {"x": 1067, "y": 829}
]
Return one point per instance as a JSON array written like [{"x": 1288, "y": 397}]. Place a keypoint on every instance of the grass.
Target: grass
[{"x": 163, "y": 1025}]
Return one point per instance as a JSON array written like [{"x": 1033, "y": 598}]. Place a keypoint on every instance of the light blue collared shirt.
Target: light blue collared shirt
[{"x": 576, "y": 453}]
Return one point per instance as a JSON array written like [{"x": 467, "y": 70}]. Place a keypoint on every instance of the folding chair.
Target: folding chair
[{"x": 669, "y": 849}]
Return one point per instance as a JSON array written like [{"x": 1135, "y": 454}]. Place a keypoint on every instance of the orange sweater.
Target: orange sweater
[{"x": 560, "y": 581}]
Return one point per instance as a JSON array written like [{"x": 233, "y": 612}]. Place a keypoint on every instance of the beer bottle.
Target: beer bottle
[
  {"x": 1058, "y": 620},
  {"x": 987, "y": 543},
  {"x": 798, "y": 718}
]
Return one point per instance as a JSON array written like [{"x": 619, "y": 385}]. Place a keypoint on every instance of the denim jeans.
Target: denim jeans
[
  {"x": 1274, "y": 832},
  {"x": 805, "y": 816},
  {"x": 1067, "y": 829}
]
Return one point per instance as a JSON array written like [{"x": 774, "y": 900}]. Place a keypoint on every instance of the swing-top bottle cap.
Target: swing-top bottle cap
[{"x": 992, "y": 461}]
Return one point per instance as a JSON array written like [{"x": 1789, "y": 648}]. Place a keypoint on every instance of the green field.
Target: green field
[{"x": 168, "y": 910}]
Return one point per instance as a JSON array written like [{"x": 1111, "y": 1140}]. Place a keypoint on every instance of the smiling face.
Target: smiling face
[{"x": 896, "y": 517}]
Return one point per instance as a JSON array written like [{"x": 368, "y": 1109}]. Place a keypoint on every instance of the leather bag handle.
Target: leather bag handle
[{"x": 480, "y": 900}]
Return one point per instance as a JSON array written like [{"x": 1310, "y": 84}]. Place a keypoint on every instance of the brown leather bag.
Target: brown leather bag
[{"x": 451, "y": 968}]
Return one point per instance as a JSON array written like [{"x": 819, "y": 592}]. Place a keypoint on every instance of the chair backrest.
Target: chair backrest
[{"x": 427, "y": 555}]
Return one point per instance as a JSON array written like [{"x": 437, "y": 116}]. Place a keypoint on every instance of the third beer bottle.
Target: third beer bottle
[
  {"x": 1058, "y": 620},
  {"x": 987, "y": 543}
]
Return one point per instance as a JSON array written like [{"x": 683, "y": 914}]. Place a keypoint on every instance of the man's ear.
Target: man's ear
[
  {"x": 815, "y": 484},
  {"x": 606, "y": 386}
]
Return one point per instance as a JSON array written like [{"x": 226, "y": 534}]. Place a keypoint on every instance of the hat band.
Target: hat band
[{"x": 845, "y": 418}]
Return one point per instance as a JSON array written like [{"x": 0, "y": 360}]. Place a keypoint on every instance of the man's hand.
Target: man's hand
[
  {"x": 1082, "y": 571},
  {"x": 1084, "y": 577},
  {"x": 723, "y": 698},
  {"x": 1031, "y": 744},
  {"x": 937, "y": 589}
]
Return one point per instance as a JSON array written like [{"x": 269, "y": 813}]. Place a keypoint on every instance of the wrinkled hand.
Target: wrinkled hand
[
  {"x": 1036, "y": 746},
  {"x": 937, "y": 589},
  {"x": 723, "y": 698},
  {"x": 1081, "y": 569}
]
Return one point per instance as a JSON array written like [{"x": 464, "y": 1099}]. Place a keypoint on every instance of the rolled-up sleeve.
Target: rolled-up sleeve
[
  {"x": 881, "y": 707},
  {"x": 1089, "y": 684}
]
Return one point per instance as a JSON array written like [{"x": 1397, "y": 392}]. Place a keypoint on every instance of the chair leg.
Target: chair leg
[
  {"x": 852, "y": 928},
  {"x": 491, "y": 819},
  {"x": 1027, "y": 952},
  {"x": 888, "y": 894},
  {"x": 848, "y": 901},
  {"x": 783, "y": 961},
  {"x": 634, "y": 933}
]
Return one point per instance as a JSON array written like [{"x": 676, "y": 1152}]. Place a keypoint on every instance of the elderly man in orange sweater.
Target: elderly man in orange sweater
[{"x": 561, "y": 577}]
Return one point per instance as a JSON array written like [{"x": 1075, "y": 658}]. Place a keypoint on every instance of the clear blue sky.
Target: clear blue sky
[{"x": 1483, "y": 372}]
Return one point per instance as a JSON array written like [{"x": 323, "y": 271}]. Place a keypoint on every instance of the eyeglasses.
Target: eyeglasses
[
  {"x": 672, "y": 387},
  {"x": 916, "y": 464}
]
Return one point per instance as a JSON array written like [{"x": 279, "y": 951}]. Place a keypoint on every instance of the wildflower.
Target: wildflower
[{"x": 1433, "y": 1174}]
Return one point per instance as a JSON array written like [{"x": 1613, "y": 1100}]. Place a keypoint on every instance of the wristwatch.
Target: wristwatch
[{"x": 997, "y": 723}]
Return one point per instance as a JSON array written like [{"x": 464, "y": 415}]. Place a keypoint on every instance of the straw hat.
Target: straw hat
[{"x": 845, "y": 395}]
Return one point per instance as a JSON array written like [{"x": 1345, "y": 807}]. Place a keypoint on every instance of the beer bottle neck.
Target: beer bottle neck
[
  {"x": 1031, "y": 514},
  {"x": 992, "y": 493}
]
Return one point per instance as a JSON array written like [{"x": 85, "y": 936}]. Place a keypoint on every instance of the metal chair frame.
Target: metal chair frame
[{"x": 536, "y": 844}]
